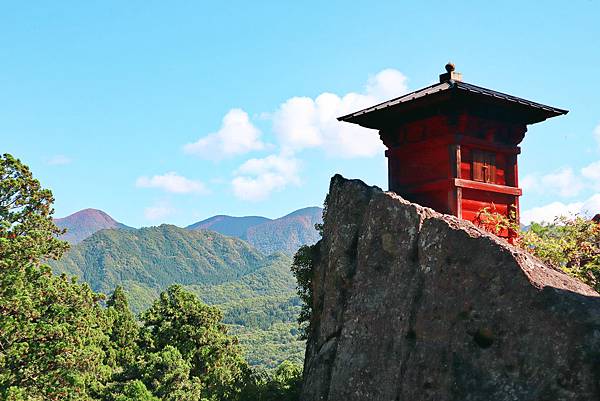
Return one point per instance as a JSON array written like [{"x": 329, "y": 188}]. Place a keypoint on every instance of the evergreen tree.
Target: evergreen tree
[
  {"x": 169, "y": 376},
  {"x": 135, "y": 390},
  {"x": 51, "y": 328},
  {"x": 179, "y": 319},
  {"x": 27, "y": 232},
  {"x": 302, "y": 268},
  {"x": 124, "y": 334}
]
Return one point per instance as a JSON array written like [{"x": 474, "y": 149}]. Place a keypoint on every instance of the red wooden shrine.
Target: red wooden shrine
[{"x": 453, "y": 146}]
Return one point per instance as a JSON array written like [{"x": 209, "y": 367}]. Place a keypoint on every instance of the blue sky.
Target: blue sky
[{"x": 175, "y": 111}]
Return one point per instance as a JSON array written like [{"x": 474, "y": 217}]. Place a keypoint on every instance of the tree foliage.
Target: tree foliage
[
  {"x": 302, "y": 268},
  {"x": 59, "y": 342},
  {"x": 280, "y": 384},
  {"x": 27, "y": 232},
  {"x": 571, "y": 244},
  {"x": 52, "y": 330},
  {"x": 179, "y": 319},
  {"x": 123, "y": 334}
]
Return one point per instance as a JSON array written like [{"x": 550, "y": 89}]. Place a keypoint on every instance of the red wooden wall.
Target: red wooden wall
[{"x": 431, "y": 162}]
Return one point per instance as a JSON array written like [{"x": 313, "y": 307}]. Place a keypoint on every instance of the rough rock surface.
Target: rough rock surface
[{"x": 411, "y": 305}]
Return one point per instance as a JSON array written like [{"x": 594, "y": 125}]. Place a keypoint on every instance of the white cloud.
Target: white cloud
[
  {"x": 591, "y": 206},
  {"x": 567, "y": 183},
  {"x": 597, "y": 134},
  {"x": 303, "y": 122},
  {"x": 236, "y": 136},
  {"x": 298, "y": 123},
  {"x": 257, "y": 178},
  {"x": 548, "y": 213},
  {"x": 58, "y": 160},
  {"x": 158, "y": 211},
  {"x": 530, "y": 183},
  {"x": 295, "y": 124},
  {"x": 172, "y": 182},
  {"x": 592, "y": 171},
  {"x": 387, "y": 84},
  {"x": 564, "y": 181}
]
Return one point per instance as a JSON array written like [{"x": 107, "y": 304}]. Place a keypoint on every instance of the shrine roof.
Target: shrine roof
[{"x": 448, "y": 92}]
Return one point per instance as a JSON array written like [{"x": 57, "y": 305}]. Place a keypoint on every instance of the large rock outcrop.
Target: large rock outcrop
[{"x": 412, "y": 305}]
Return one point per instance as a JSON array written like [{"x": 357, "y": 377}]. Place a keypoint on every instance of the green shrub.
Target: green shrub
[{"x": 570, "y": 244}]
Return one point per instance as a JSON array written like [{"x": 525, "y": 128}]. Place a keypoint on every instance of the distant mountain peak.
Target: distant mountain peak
[
  {"x": 229, "y": 225},
  {"x": 305, "y": 211},
  {"x": 90, "y": 210},
  {"x": 285, "y": 234},
  {"x": 90, "y": 213},
  {"x": 86, "y": 222}
]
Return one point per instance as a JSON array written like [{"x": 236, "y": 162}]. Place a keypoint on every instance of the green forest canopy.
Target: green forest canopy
[
  {"x": 255, "y": 292},
  {"x": 58, "y": 342}
]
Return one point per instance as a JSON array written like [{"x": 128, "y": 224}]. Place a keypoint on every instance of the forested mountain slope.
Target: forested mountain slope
[
  {"x": 229, "y": 225},
  {"x": 255, "y": 291},
  {"x": 159, "y": 256},
  {"x": 288, "y": 233}
]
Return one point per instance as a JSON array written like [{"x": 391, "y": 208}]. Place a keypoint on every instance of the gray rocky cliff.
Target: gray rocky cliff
[{"x": 411, "y": 305}]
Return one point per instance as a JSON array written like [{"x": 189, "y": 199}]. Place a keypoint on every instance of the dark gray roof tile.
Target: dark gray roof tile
[{"x": 454, "y": 86}]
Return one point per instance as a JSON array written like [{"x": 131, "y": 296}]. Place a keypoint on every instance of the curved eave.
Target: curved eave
[
  {"x": 376, "y": 117},
  {"x": 450, "y": 94},
  {"x": 409, "y": 98}
]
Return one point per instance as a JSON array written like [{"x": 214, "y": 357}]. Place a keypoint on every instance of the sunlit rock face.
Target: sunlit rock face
[{"x": 411, "y": 305}]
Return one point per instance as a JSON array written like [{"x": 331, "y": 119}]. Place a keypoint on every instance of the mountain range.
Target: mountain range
[
  {"x": 285, "y": 234},
  {"x": 240, "y": 264}
]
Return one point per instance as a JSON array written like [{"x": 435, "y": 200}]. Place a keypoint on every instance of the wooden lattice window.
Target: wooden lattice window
[{"x": 484, "y": 166}]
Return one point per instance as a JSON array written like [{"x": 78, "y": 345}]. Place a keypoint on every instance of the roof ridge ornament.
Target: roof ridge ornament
[{"x": 450, "y": 74}]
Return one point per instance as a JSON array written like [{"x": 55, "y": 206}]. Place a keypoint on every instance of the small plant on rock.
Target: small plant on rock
[{"x": 569, "y": 244}]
